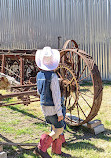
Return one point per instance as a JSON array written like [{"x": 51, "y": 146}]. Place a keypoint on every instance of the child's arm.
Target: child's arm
[{"x": 56, "y": 95}]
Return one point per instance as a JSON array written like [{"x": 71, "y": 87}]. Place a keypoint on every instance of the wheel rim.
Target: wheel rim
[{"x": 88, "y": 95}]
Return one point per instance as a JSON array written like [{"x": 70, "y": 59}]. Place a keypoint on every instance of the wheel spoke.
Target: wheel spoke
[
  {"x": 84, "y": 77},
  {"x": 59, "y": 75},
  {"x": 86, "y": 95},
  {"x": 88, "y": 90},
  {"x": 76, "y": 66},
  {"x": 69, "y": 96},
  {"x": 81, "y": 110},
  {"x": 82, "y": 72},
  {"x": 84, "y": 99},
  {"x": 78, "y": 112}
]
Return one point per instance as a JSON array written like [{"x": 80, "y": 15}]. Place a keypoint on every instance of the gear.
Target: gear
[{"x": 70, "y": 85}]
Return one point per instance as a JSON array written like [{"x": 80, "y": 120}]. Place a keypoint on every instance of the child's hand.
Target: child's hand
[{"x": 60, "y": 118}]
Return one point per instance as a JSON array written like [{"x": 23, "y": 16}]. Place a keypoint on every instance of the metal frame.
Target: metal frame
[{"x": 68, "y": 53}]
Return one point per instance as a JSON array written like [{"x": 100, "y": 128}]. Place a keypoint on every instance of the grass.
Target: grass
[
  {"x": 6, "y": 128},
  {"x": 25, "y": 124}
]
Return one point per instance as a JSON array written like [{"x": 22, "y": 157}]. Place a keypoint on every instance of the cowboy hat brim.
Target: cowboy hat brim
[{"x": 54, "y": 62}]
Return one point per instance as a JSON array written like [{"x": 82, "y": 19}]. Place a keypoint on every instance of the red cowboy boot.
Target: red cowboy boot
[
  {"x": 44, "y": 144},
  {"x": 62, "y": 138},
  {"x": 56, "y": 146},
  {"x": 64, "y": 143}
]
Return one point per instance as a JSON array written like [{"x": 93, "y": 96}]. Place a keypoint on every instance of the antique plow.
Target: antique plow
[{"x": 80, "y": 76}]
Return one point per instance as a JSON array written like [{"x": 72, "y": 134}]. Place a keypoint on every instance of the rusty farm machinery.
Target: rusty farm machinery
[{"x": 82, "y": 80}]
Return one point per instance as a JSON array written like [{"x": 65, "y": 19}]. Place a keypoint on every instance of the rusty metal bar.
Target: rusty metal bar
[
  {"x": 1, "y": 105},
  {"x": 59, "y": 37},
  {"x": 12, "y": 72},
  {"x": 82, "y": 72},
  {"x": 86, "y": 95},
  {"x": 82, "y": 110},
  {"x": 3, "y": 64},
  {"x": 18, "y": 144},
  {"x": 78, "y": 112},
  {"x": 34, "y": 92},
  {"x": 84, "y": 77},
  {"x": 84, "y": 99},
  {"x": 15, "y": 56},
  {"x": 21, "y": 70},
  {"x": 2, "y": 51},
  {"x": 24, "y": 86}
]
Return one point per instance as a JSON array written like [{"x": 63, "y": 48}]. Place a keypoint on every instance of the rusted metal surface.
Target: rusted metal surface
[
  {"x": 18, "y": 94},
  {"x": 3, "y": 64},
  {"x": 19, "y": 57},
  {"x": 18, "y": 144},
  {"x": 21, "y": 70},
  {"x": 25, "y": 102},
  {"x": 23, "y": 86},
  {"x": 70, "y": 44},
  {"x": 81, "y": 93},
  {"x": 24, "y": 96},
  {"x": 82, "y": 80}
]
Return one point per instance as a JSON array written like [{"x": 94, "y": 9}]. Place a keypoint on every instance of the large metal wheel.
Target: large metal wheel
[{"x": 84, "y": 85}]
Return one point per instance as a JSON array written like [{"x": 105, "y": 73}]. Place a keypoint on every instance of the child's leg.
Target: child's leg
[
  {"x": 44, "y": 144},
  {"x": 57, "y": 141},
  {"x": 57, "y": 129}
]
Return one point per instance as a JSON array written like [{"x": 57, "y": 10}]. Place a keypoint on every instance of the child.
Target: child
[{"x": 50, "y": 99}]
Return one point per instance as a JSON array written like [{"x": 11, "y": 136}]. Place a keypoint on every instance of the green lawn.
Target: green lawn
[{"x": 25, "y": 124}]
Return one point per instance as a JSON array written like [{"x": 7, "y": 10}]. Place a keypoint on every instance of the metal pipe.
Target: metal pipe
[
  {"x": 1, "y": 105},
  {"x": 34, "y": 92},
  {"x": 59, "y": 37}
]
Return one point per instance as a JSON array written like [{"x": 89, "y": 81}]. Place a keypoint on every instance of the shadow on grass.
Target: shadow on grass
[
  {"x": 106, "y": 135},
  {"x": 19, "y": 152},
  {"x": 86, "y": 134},
  {"x": 26, "y": 113},
  {"x": 81, "y": 133},
  {"x": 16, "y": 152},
  {"x": 82, "y": 145}
]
